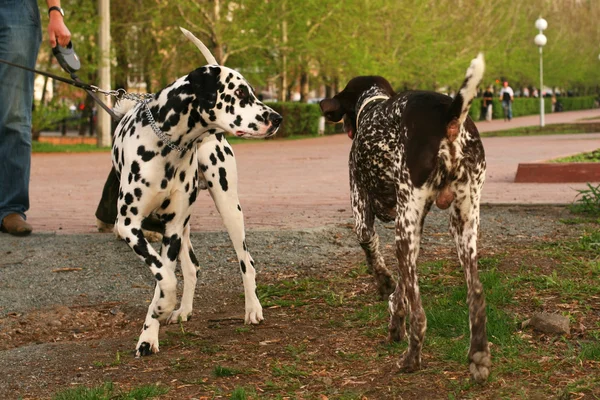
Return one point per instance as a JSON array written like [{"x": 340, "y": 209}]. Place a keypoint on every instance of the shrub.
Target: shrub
[
  {"x": 298, "y": 118},
  {"x": 531, "y": 106},
  {"x": 302, "y": 119},
  {"x": 45, "y": 116}
]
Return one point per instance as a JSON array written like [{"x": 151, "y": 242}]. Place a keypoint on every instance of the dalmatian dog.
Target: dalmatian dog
[
  {"x": 410, "y": 150},
  {"x": 165, "y": 149}
]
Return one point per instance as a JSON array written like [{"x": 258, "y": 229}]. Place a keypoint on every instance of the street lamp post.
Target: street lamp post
[{"x": 540, "y": 40}]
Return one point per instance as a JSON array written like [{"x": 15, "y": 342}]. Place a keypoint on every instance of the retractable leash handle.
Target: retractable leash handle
[
  {"x": 69, "y": 61},
  {"x": 67, "y": 58}
]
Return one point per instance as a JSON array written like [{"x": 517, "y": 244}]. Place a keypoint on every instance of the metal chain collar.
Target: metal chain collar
[
  {"x": 142, "y": 98},
  {"x": 161, "y": 135}
]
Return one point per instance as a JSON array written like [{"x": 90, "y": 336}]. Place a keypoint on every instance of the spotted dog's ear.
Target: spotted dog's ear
[
  {"x": 206, "y": 85},
  {"x": 332, "y": 110}
]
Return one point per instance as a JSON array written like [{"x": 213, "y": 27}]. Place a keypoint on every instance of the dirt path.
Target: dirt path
[{"x": 72, "y": 305}]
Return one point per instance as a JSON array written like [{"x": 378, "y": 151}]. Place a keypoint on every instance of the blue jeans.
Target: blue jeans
[
  {"x": 20, "y": 38},
  {"x": 507, "y": 106}
]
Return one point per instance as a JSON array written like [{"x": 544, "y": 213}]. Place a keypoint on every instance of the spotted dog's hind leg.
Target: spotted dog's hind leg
[
  {"x": 464, "y": 225},
  {"x": 129, "y": 227},
  {"x": 189, "y": 269},
  {"x": 413, "y": 204},
  {"x": 364, "y": 226},
  {"x": 173, "y": 211},
  {"x": 218, "y": 165}
]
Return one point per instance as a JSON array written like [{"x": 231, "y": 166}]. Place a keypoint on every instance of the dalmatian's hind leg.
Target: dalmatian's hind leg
[
  {"x": 164, "y": 299},
  {"x": 189, "y": 268}
]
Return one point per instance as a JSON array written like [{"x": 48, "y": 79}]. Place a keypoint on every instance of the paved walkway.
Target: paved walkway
[{"x": 297, "y": 184}]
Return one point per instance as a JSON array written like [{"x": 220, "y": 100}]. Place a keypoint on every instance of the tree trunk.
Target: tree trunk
[
  {"x": 283, "y": 93},
  {"x": 304, "y": 86}
]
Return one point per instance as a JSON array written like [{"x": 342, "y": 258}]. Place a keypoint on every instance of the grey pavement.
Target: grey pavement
[{"x": 299, "y": 183}]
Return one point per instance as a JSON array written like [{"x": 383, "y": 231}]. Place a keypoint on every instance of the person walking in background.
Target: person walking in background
[
  {"x": 20, "y": 38},
  {"x": 507, "y": 96},
  {"x": 488, "y": 98}
]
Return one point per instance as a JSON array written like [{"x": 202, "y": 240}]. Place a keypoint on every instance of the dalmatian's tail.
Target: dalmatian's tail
[
  {"x": 459, "y": 109},
  {"x": 123, "y": 106}
]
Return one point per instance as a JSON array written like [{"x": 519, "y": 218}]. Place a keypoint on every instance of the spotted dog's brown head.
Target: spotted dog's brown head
[{"x": 345, "y": 103}]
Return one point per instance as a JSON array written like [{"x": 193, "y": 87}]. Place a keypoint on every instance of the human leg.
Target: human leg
[{"x": 20, "y": 37}]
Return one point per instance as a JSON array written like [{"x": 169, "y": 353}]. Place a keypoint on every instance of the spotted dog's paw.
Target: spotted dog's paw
[
  {"x": 254, "y": 312},
  {"x": 409, "y": 362},
  {"x": 180, "y": 315},
  {"x": 152, "y": 237},
  {"x": 480, "y": 366},
  {"x": 148, "y": 341}
]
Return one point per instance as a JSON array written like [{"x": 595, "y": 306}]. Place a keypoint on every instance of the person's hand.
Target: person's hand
[{"x": 58, "y": 31}]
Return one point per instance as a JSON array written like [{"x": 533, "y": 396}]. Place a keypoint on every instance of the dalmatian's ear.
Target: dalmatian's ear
[
  {"x": 203, "y": 49},
  {"x": 332, "y": 109},
  {"x": 205, "y": 84}
]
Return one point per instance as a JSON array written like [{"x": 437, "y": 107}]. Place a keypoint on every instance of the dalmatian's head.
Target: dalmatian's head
[
  {"x": 228, "y": 103},
  {"x": 228, "y": 99}
]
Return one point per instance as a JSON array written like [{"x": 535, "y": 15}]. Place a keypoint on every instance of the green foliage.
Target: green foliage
[
  {"x": 413, "y": 43},
  {"x": 45, "y": 116},
  {"x": 578, "y": 103},
  {"x": 553, "y": 129},
  {"x": 239, "y": 394},
  {"x": 298, "y": 118},
  {"x": 109, "y": 392},
  {"x": 592, "y": 156},
  {"x": 587, "y": 201},
  {"x": 221, "y": 372},
  {"x": 41, "y": 147},
  {"x": 530, "y": 106}
]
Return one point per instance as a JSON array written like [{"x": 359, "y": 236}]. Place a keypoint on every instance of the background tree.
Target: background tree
[{"x": 306, "y": 45}]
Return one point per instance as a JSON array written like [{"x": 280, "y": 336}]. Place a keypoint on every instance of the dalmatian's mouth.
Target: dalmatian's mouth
[
  {"x": 269, "y": 132},
  {"x": 246, "y": 134}
]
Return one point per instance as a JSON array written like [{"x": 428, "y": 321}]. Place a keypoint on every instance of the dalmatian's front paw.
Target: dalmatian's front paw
[
  {"x": 148, "y": 341},
  {"x": 254, "y": 312},
  {"x": 180, "y": 315}
]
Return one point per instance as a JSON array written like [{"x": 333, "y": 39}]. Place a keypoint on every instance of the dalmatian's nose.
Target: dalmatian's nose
[{"x": 275, "y": 120}]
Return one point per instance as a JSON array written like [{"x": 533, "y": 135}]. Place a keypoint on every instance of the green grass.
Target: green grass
[
  {"x": 38, "y": 147},
  {"x": 109, "y": 392},
  {"x": 295, "y": 293},
  {"x": 222, "y": 372},
  {"x": 593, "y": 156},
  {"x": 242, "y": 393},
  {"x": 41, "y": 147},
  {"x": 587, "y": 201},
  {"x": 554, "y": 129},
  {"x": 288, "y": 371}
]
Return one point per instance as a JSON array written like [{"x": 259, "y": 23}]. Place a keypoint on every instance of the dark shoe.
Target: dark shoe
[{"x": 15, "y": 225}]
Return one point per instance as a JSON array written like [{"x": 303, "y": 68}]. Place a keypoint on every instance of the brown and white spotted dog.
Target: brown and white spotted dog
[
  {"x": 410, "y": 150},
  {"x": 164, "y": 151}
]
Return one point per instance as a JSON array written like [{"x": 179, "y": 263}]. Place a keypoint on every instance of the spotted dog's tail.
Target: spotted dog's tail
[
  {"x": 459, "y": 109},
  {"x": 123, "y": 106},
  {"x": 203, "y": 49}
]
